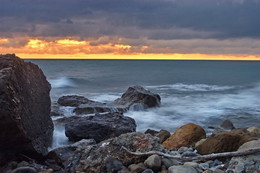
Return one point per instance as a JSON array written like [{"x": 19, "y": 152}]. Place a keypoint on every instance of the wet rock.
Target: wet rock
[
  {"x": 186, "y": 135},
  {"x": 138, "y": 168},
  {"x": 154, "y": 162},
  {"x": 62, "y": 154},
  {"x": 113, "y": 165},
  {"x": 163, "y": 135},
  {"x": 137, "y": 97},
  {"x": 91, "y": 158},
  {"x": 25, "y": 125},
  {"x": 227, "y": 124},
  {"x": 249, "y": 163},
  {"x": 72, "y": 100},
  {"x": 224, "y": 141},
  {"x": 99, "y": 127},
  {"x": 181, "y": 169}
]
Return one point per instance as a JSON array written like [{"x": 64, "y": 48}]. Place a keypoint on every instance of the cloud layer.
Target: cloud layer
[{"x": 165, "y": 26}]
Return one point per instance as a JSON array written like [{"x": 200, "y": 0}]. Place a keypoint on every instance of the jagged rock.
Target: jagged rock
[
  {"x": 91, "y": 158},
  {"x": 181, "y": 169},
  {"x": 62, "y": 154},
  {"x": 162, "y": 134},
  {"x": 137, "y": 97},
  {"x": 250, "y": 163},
  {"x": 186, "y": 135},
  {"x": 25, "y": 125},
  {"x": 224, "y": 141},
  {"x": 99, "y": 127}
]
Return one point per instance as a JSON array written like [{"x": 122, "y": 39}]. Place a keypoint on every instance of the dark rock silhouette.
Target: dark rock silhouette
[
  {"x": 99, "y": 127},
  {"x": 25, "y": 124}
]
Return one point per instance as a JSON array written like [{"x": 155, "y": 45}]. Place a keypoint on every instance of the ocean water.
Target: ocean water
[{"x": 201, "y": 92}]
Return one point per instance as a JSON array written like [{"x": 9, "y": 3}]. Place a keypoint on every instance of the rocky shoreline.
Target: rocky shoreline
[{"x": 103, "y": 139}]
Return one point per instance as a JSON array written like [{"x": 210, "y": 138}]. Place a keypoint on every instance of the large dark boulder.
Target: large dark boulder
[
  {"x": 137, "y": 97},
  {"x": 99, "y": 127},
  {"x": 25, "y": 123},
  {"x": 92, "y": 159}
]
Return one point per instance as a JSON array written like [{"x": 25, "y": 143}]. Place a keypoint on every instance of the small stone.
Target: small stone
[
  {"x": 153, "y": 162},
  {"x": 47, "y": 171},
  {"x": 140, "y": 167},
  {"x": 208, "y": 171},
  {"x": 193, "y": 164},
  {"x": 124, "y": 170},
  {"x": 113, "y": 165},
  {"x": 164, "y": 169},
  {"x": 148, "y": 171},
  {"x": 169, "y": 162},
  {"x": 25, "y": 169},
  {"x": 182, "y": 169},
  {"x": 227, "y": 124},
  {"x": 204, "y": 166},
  {"x": 183, "y": 149},
  {"x": 218, "y": 171}
]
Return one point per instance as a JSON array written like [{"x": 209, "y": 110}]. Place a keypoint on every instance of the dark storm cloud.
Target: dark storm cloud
[{"x": 153, "y": 19}]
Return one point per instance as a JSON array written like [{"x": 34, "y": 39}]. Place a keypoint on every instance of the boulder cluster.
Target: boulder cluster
[{"x": 102, "y": 139}]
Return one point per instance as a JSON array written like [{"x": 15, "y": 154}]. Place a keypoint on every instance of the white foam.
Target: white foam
[
  {"x": 105, "y": 97},
  {"x": 59, "y": 137},
  {"x": 191, "y": 87},
  {"x": 62, "y": 82}
]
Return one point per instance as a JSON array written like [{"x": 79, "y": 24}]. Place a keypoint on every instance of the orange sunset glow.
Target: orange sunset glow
[{"x": 74, "y": 49}]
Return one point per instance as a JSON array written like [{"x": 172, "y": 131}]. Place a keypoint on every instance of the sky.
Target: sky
[{"x": 131, "y": 29}]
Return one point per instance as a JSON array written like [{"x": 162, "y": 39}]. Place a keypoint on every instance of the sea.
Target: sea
[{"x": 201, "y": 92}]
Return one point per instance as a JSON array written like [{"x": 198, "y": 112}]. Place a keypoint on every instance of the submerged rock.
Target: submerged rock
[
  {"x": 99, "y": 127},
  {"x": 91, "y": 158},
  {"x": 186, "y": 135},
  {"x": 137, "y": 97},
  {"x": 224, "y": 141},
  {"x": 25, "y": 125}
]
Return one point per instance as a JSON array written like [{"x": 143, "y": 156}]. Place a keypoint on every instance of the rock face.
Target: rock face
[
  {"x": 136, "y": 97},
  {"x": 91, "y": 159},
  {"x": 186, "y": 135},
  {"x": 250, "y": 163},
  {"x": 99, "y": 127},
  {"x": 225, "y": 141},
  {"x": 25, "y": 124}
]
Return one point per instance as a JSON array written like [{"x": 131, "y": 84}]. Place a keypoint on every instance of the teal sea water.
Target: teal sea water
[{"x": 201, "y": 92}]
